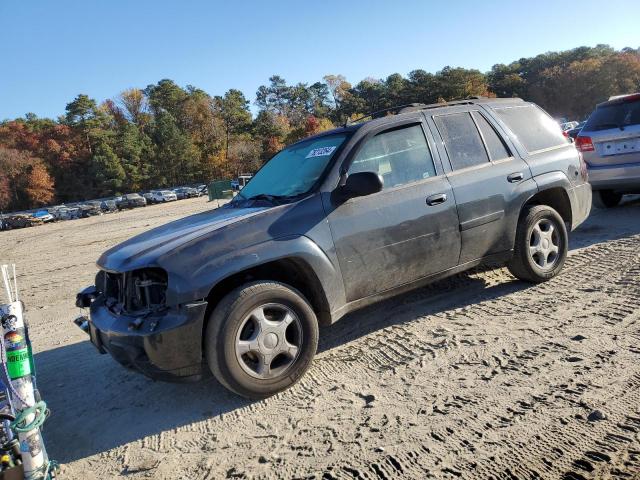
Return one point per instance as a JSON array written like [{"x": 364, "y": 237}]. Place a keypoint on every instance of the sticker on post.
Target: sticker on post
[
  {"x": 320, "y": 152},
  {"x": 9, "y": 322}
]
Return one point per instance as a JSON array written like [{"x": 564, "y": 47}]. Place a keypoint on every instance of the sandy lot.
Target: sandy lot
[{"x": 477, "y": 376}]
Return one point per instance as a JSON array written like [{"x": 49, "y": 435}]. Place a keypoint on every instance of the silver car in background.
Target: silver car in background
[{"x": 610, "y": 145}]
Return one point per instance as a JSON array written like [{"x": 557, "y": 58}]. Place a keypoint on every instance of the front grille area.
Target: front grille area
[{"x": 135, "y": 293}]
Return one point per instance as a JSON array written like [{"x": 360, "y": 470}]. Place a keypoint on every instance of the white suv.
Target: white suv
[{"x": 160, "y": 196}]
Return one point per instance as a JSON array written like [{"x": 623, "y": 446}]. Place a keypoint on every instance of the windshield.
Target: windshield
[
  {"x": 294, "y": 170},
  {"x": 616, "y": 115}
]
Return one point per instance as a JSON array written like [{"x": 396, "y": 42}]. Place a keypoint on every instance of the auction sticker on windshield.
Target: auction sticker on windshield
[{"x": 320, "y": 152}]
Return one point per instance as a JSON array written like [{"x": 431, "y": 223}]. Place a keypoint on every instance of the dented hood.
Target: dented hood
[{"x": 147, "y": 248}]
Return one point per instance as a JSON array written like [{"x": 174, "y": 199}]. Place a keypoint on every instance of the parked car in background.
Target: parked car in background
[
  {"x": 108, "y": 206},
  {"x": 573, "y": 133},
  {"x": 565, "y": 126},
  {"x": 93, "y": 207},
  {"x": 364, "y": 212},
  {"x": 148, "y": 196},
  {"x": 162, "y": 196},
  {"x": 21, "y": 220},
  {"x": 62, "y": 212},
  {"x": 185, "y": 192},
  {"x": 44, "y": 215},
  {"x": 131, "y": 200},
  {"x": 241, "y": 181},
  {"x": 610, "y": 144}
]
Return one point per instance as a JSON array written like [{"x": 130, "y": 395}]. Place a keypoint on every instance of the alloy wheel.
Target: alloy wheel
[
  {"x": 268, "y": 341},
  {"x": 544, "y": 244}
]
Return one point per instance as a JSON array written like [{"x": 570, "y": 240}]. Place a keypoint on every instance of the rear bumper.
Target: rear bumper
[
  {"x": 165, "y": 346},
  {"x": 580, "y": 197},
  {"x": 623, "y": 177}
]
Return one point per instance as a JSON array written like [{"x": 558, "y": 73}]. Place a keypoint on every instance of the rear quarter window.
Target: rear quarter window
[
  {"x": 535, "y": 129},
  {"x": 495, "y": 145}
]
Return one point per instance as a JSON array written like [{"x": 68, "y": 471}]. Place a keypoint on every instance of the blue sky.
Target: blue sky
[{"x": 51, "y": 50}]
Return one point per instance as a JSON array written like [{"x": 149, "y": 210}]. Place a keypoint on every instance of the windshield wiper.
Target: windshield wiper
[
  {"x": 273, "y": 198},
  {"x": 240, "y": 199},
  {"x": 265, "y": 196}
]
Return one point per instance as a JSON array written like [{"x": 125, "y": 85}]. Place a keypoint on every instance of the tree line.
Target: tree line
[{"x": 167, "y": 135}]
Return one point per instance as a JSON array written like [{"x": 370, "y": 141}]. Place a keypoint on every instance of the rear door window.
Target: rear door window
[
  {"x": 495, "y": 144},
  {"x": 535, "y": 129},
  {"x": 462, "y": 140},
  {"x": 400, "y": 156}
]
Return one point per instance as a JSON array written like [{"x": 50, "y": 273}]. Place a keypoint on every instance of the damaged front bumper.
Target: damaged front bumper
[{"x": 164, "y": 345}]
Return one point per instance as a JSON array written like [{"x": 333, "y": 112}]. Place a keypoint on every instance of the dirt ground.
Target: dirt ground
[{"x": 478, "y": 376}]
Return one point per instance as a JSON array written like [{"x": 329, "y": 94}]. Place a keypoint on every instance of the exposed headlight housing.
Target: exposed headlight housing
[{"x": 137, "y": 292}]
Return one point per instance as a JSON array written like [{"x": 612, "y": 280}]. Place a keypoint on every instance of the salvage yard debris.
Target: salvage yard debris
[{"x": 21, "y": 410}]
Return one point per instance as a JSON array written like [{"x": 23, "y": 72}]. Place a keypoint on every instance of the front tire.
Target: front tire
[
  {"x": 261, "y": 339},
  {"x": 541, "y": 245},
  {"x": 606, "y": 198}
]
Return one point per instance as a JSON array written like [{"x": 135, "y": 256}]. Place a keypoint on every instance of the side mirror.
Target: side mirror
[{"x": 362, "y": 183}]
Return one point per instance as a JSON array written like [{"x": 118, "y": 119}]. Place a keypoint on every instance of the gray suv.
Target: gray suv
[
  {"x": 610, "y": 143},
  {"x": 331, "y": 224}
]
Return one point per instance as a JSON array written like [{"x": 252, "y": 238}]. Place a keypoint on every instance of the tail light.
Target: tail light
[{"x": 584, "y": 144}]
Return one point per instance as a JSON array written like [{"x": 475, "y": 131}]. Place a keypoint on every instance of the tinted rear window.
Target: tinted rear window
[
  {"x": 614, "y": 116},
  {"x": 535, "y": 129}
]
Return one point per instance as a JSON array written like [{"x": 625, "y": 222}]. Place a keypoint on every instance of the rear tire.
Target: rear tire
[
  {"x": 606, "y": 198},
  {"x": 261, "y": 339},
  {"x": 541, "y": 245}
]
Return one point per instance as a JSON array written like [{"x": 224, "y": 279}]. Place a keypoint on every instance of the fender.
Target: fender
[
  {"x": 553, "y": 179},
  {"x": 572, "y": 202},
  {"x": 216, "y": 269},
  {"x": 578, "y": 195}
]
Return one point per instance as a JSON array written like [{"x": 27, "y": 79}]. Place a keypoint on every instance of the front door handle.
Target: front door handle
[
  {"x": 515, "y": 177},
  {"x": 436, "y": 199}
]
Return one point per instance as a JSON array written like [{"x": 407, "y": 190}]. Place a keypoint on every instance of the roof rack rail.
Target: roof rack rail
[
  {"x": 378, "y": 113},
  {"x": 411, "y": 107}
]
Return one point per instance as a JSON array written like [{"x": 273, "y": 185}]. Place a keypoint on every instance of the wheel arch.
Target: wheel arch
[
  {"x": 292, "y": 271},
  {"x": 555, "y": 197}
]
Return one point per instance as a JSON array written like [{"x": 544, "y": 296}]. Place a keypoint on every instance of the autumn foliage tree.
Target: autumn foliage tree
[
  {"x": 165, "y": 135},
  {"x": 39, "y": 188},
  {"x": 24, "y": 180}
]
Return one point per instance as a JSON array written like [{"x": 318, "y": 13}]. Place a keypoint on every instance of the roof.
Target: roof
[
  {"x": 619, "y": 99},
  {"x": 351, "y": 126}
]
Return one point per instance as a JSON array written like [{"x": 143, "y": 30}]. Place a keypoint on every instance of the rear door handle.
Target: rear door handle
[
  {"x": 515, "y": 177},
  {"x": 436, "y": 199}
]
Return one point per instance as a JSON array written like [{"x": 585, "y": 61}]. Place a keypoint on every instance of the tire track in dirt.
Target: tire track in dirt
[
  {"x": 519, "y": 465},
  {"x": 554, "y": 449}
]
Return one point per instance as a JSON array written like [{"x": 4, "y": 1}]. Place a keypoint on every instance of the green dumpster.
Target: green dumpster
[{"x": 220, "y": 189}]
